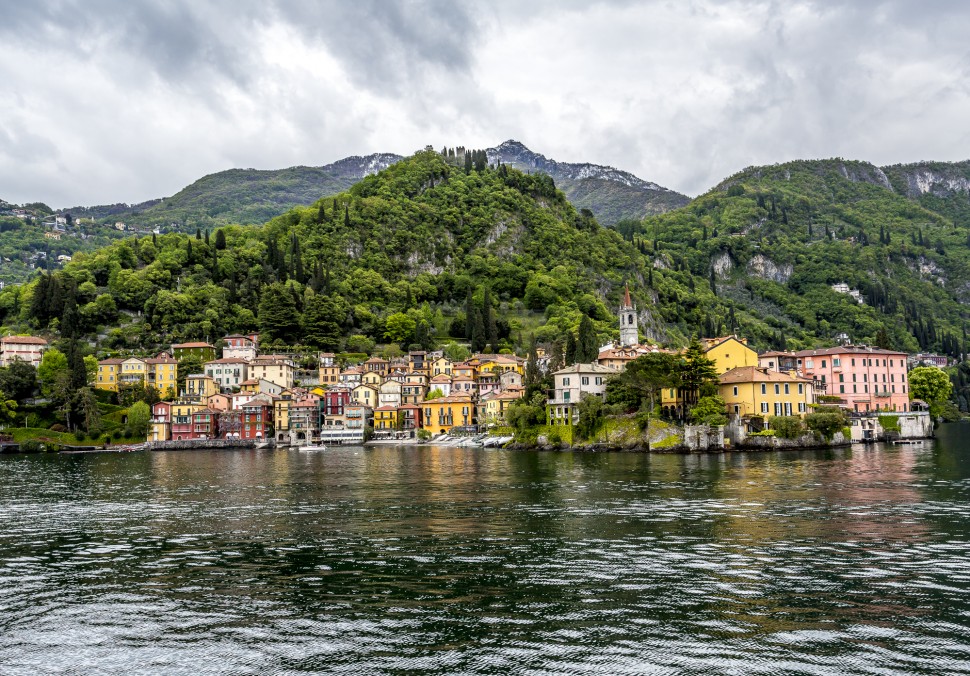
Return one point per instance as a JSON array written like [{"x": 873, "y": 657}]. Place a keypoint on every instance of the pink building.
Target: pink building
[{"x": 864, "y": 378}]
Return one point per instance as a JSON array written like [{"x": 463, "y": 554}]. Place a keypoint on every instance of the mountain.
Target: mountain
[
  {"x": 419, "y": 253},
  {"x": 252, "y": 196},
  {"x": 774, "y": 241},
  {"x": 611, "y": 194},
  {"x": 243, "y": 195}
]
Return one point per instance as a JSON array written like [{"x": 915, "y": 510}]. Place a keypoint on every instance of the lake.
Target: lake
[{"x": 481, "y": 561}]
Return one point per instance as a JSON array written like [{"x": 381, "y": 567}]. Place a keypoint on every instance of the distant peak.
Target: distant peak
[{"x": 512, "y": 145}]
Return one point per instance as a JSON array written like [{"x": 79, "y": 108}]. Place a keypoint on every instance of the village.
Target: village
[{"x": 243, "y": 394}]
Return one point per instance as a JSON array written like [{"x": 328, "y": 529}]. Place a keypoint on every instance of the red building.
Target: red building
[
  {"x": 409, "y": 417},
  {"x": 257, "y": 418},
  {"x": 334, "y": 401},
  {"x": 200, "y": 423}
]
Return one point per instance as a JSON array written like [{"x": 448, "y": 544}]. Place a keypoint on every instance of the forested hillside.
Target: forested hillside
[
  {"x": 420, "y": 252},
  {"x": 432, "y": 249},
  {"x": 775, "y": 240}
]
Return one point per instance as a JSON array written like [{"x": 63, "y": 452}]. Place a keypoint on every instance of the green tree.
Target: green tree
[
  {"x": 825, "y": 421},
  {"x": 587, "y": 348},
  {"x": 708, "y": 411},
  {"x": 455, "y": 352},
  {"x": 54, "y": 375},
  {"x": 8, "y": 409},
  {"x": 571, "y": 351},
  {"x": 642, "y": 381},
  {"x": 19, "y": 380},
  {"x": 590, "y": 415},
  {"x": 322, "y": 316},
  {"x": 87, "y": 412},
  {"x": 932, "y": 386},
  {"x": 278, "y": 316},
  {"x": 399, "y": 328},
  {"x": 139, "y": 415},
  {"x": 695, "y": 373},
  {"x": 220, "y": 239}
]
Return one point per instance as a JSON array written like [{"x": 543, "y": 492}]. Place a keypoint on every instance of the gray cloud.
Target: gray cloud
[{"x": 117, "y": 101}]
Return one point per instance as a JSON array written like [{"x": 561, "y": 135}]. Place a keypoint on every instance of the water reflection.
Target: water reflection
[{"x": 445, "y": 560}]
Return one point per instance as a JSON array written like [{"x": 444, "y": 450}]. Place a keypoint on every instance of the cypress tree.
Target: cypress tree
[
  {"x": 220, "y": 239},
  {"x": 569, "y": 353},
  {"x": 478, "y": 337},
  {"x": 587, "y": 349},
  {"x": 207, "y": 236},
  {"x": 469, "y": 314},
  {"x": 491, "y": 327},
  {"x": 198, "y": 234}
]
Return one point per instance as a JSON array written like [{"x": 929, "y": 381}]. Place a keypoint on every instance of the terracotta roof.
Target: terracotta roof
[
  {"x": 228, "y": 360},
  {"x": 191, "y": 345},
  {"x": 587, "y": 368},
  {"x": 450, "y": 399},
  {"x": 160, "y": 360},
  {"x": 849, "y": 349},
  {"x": 386, "y": 408},
  {"x": 441, "y": 378},
  {"x": 23, "y": 340},
  {"x": 755, "y": 374},
  {"x": 113, "y": 361},
  {"x": 777, "y": 353}
]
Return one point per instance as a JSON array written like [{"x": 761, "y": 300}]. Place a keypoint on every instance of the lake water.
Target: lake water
[{"x": 471, "y": 561}]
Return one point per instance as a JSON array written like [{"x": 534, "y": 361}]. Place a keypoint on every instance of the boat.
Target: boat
[{"x": 313, "y": 447}]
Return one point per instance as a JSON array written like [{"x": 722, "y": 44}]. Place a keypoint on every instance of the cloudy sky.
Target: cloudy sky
[{"x": 115, "y": 101}]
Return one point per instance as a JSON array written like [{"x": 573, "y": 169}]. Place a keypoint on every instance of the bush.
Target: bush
[
  {"x": 423, "y": 434},
  {"x": 57, "y": 427},
  {"x": 826, "y": 421},
  {"x": 116, "y": 434},
  {"x": 80, "y": 435},
  {"x": 786, "y": 426},
  {"x": 31, "y": 446}
]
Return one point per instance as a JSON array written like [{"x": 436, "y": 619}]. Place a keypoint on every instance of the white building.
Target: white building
[{"x": 26, "y": 348}]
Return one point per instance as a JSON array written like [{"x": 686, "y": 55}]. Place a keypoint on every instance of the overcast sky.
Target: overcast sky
[{"x": 115, "y": 101}]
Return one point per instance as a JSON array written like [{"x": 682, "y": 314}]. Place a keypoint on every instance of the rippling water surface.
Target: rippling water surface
[{"x": 451, "y": 561}]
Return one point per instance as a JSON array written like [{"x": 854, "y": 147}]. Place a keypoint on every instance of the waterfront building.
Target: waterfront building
[
  {"x": 385, "y": 418},
  {"x": 257, "y": 418},
  {"x": 109, "y": 374},
  {"x": 29, "y": 349},
  {"x": 860, "y": 378},
  {"x": 358, "y": 417},
  {"x": 182, "y": 420},
  {"x": 493, "y": 406},
  {"x": 442, "y": 415},
  {"x": 756, "y": 392},
  {"x": 161, "y": 429},
  {"x": 409, "y": 417},
  {"x": 304, "y": 419},
  {"x": 570, "y": 385},
  {"x": 729, "y": 352}
]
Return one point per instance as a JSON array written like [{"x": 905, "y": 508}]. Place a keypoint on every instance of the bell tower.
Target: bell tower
[{"x": 629, "y": 333}]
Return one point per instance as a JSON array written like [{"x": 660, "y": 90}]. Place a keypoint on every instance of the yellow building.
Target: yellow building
[
  {"x": 372, "y": 378},
  {"x": 441, "y": 415},
  {"x": 441, "y": 367},
  {"x": 729, "y": 353},
  {"x": 493, "y": 406},
  {"x": 159, "y": 372},
  {"x": 366, "y": 395},
  {"x": 199, "y": 387},
  {"x": 385, "y": 418},
  {"x": 500, "y": 365},
  {"x": 275, "y": 368},
  {"x": 109, "y": 374},
  {"x": 750, "y": 391}
]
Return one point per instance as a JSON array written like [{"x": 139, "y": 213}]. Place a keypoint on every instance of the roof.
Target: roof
[
  {"x": 386, "y": 408},
  {"x": 228, "y": 360},
  {"x": 160, "y": 360},
  {"x": 23, "y": 340},
  {"x": 756, "y": 374},
  {"x": 376, "y": 360},
  {"x": 587, "y": 368},
  {"x": 441, "y": 378},
  {"x": 848, "y": 349},
  {"x": 113, "y": 361},
  {"x": 777, "y": 353},
  {"x": 709, "y": 344},
  {"x": 192, "y": 345},
  {"x": 450, "y": 399}
]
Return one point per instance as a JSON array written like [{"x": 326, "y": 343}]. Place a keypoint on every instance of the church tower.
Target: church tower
[{"x": 629, "y": 334}]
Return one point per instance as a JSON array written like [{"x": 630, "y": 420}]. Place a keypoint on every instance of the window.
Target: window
[
  {"x": 810, "y": 363},
  {"x": 853, "y": 362},
  {"x": 737, "y": 409},
  {"x": 841, "y": 378},
  {"x": 585, "y": 380},
  {"x": 735, "y": 394},
  {"x": 786, "y": 389},
  {"x": 841, "y": 389},
  {"x": 599, "y": 380},
  {"x": 777, "y": 389},
  {"x": 836, "y": 363},
  {"x": 764, "y": 407},
  {"x": 823, "y": 363},
  {"x": 801, "y": 388},
  {"x": 764, "y": 389},
  {"x": 565, "y": 382}
]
